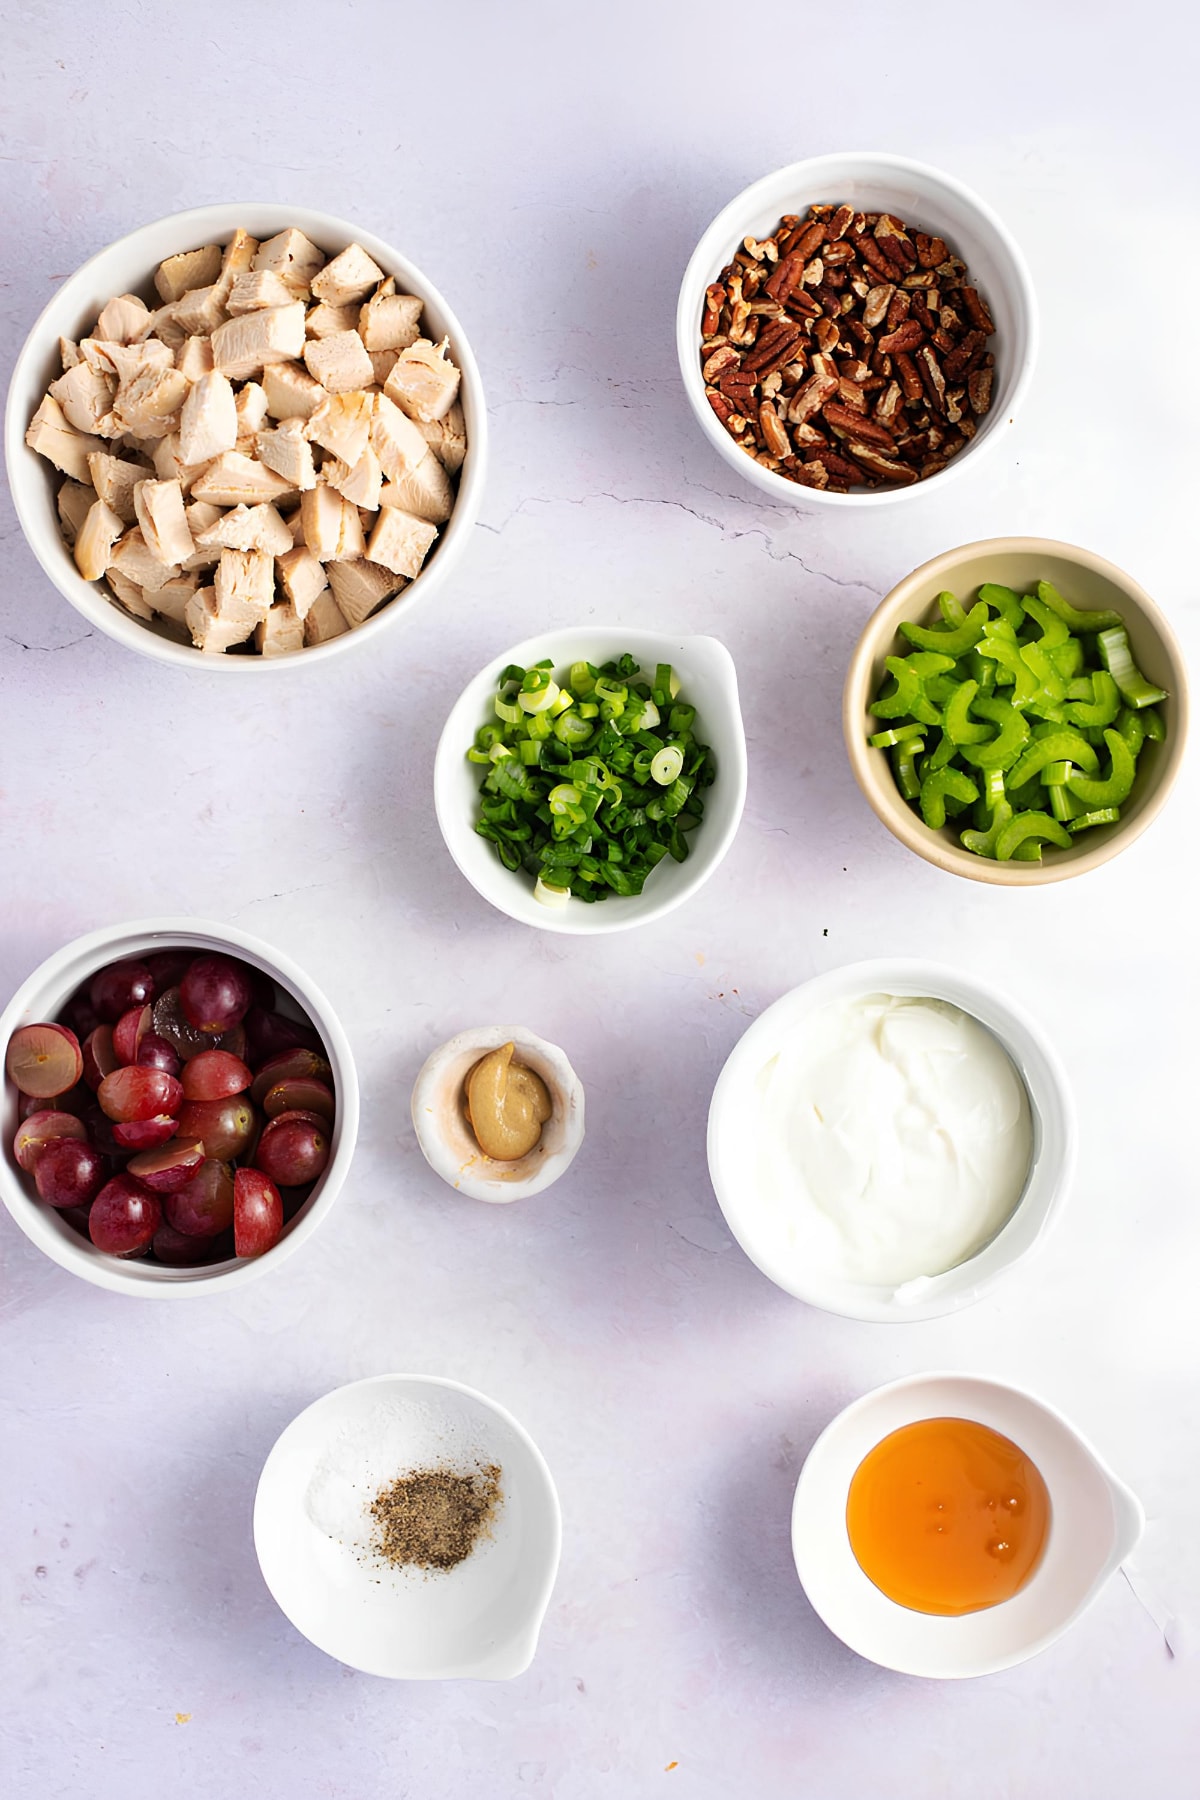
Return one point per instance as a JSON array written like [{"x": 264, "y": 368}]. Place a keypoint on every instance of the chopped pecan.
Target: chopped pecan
[
  {"x": 812, "y": 474},
  {"x": 823, "y": 364},
  {"x": 767, "y": 251},
  {"x": 888, "y": 404},
  {"x": 714, "y": 300},
  {"x": 813, "y": 272},
  {"x": 720, "y": 405},
  {"x": 839, "y": 466},
  {"x": 811, "y": 397},
  {"x": 877, "y": 302},
  {"x": 932, "y": 376},
  {"x": 776, "y": 342},
  {"x": 977, "y": 312},
  {"x": 872, "y": 254},
  {"x": 954, "y": 404},
  {"x": 740, "y": 328},
  {"x": 802, "y": 305},
  {"x": 826, "y": 334},
  {"x": 956, "y": 362},
  {"x": 910, "y": 381},
  {"x": 786, "y": 277},
  {"x": 853, "y": 426},
  {"x": 979, "y": 390},
  {"x": 897, "y": 310},
  {"x": 919, "y": 310},
  {"x": 906, "y": 337},
  {"x": 726, "y": 357},
  {"x": 806, "y": 434},
  {"x": 881, "y": 363},
  {"x": 738, "y": 386},
  {"x": 854, "y": 368},
  {"x": 851, "y": 395},
  {"x": 839, "y": 224},
  {"x": 836, "y": 281},
  {"x": 835, "y": 256},
  {"x": 949, "y": 320},
  {"x": 930, "y": 250},
  {"x": 810, "y": 239},
  {"x": 942, "y": 339},
  {"x": 888, "y": 466},
  {"x": 775, "y": 437}
]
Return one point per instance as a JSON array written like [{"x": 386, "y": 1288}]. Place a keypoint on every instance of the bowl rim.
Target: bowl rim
[
  {"x": 413, "y": 1378},
  {"x": 956, "y": 1288},
  {"x": 87, "y": 598},
  {"x": 108, "y": 1271},
  {"x": 907, "y": 826},
  {"x": 701, "y": 864},
  {"x": 723, "y": 231}
]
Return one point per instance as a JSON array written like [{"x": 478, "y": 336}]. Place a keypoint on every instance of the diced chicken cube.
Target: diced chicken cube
[
  {"x": 233, "y": 479},
  {"x": 332, "y": 528},
  {"x": 383, "y": 362},
  {"x": 210, "y": 632},
  {"x": 200, "y": 311},
  {"x": 257, "y": 288},
  {"x": 126, "y": 361},
  {"x": 94, "y": 543},
  {"x": 424, "y": 490},
  {"x": 171, "y": 599},
  {"x": 245, "y": 585},
  {"x": 51, "y": 436},
  {"x": 361, "y": 484},
  {"x": 159, "y": 509},
  {"x": 247, "y": 344},
  {"x": 149, "y": 404},
  {"x": 302, "y": 577},
  {"x": 286, "y": 450},
  {"x": 291, "y": 394},
  {"x": 281, "y": 632},
  {"x": 133, "y": 559},
  {"x": 360, "y": 586},
  {"x": 342, "y": 425},
  {"x": 123, "y": 321},
  {"x": 114, "y": 480},
  {"x": 321, "y": 321},
  {"x": 190, "y": 269},
  {"x": 390, "y": 321},
  {"x": 208, "y": 423},
  {"x": 395, "y": 439},
  {"x": 201, "y": 517},
  {"x": 165, "y": 326},
  {"x": 130, "y": 595},
  {"x": 350, "y": 276},
  {"x": 339, "y": 363},
  {"x": 74, "y": 499},
  {"x": 86, "y": 397},
  {"x": 293, "y": 256},
  {"x": 170, "y": 466},
  {"x": 68, "y": 353},
  {"x": 251, "y": 416},
  {"x": 194, "y": 357},
  {"x": 323, "y": 620},
  {"x": 423, "y": 381},
  {"x": 447, "y": 438},
  {"x": 239, "y": 256},
  {"x": 401, "y": 541},
  {"x": 247, "y": 528}
]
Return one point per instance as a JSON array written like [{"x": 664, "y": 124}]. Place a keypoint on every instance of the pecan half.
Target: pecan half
[
  {"x": 977, "y": 312},
  {"x": 811, "y": 397},
  {"x": 979, "y": 390},
  {"x": 775, "y": 436},
  {"x": 906, "y": 337},
  {"x": 726, "y": 357},
  {"x": 887, "y": 466}
]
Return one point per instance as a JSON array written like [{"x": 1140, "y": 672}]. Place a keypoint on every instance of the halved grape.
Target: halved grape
[
  {"x": 44, "y": 1060},
  {"x": 292, "y": 1154},
  {"x": 268, "y": 1034},
  {"x": 290, "y": 1065},
  {"x": 69, "y": 1173},
  {"x": 134, "y": 1093},
  {"x": 257, "y": 1213},
  {"x": 124, "y": 1216},
  {"x": 224, "y": 1127},
  {"x": 99, "y": 1056},
  {"x": 203, "y": 1206},
  {"x": 301, "y": 1093},
  {"x": 42, "y": 1128},
  {"x": 169, "y": 1168},
  {"x": 215, "y": 1075},
  {"x": 129, "y": 1031},
  {"x": 119, "y": 986},
  {"x": 306, "y": 1118},
  {"x": 216, "y": 994},
  {"x": 145, "y": 1134},
  {"x": 171, "y": 1023},
  {"x": 154, "y": 1052}
]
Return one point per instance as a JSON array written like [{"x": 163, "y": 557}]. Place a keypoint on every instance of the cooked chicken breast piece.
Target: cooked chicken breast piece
[
  {"x": 251, "y": 417},
  {"x": 332, "y": 528},
  {"x": 171, "y": 599},
  {"x": 359, "y": 587},
  {"x": 200, "y": 310},
  {"x": 244, "y": 585},
  {"x": 74, "y": 500},
  {"x": 401, "y": 541},
  {"x": 321, "y": 321},
  {"x": 159, "y": 509},
  {"x": 424, "y": 490},
  {"x": 291, "y": 393},
  {"x": 125, "y": 361},
  {"x": 302, "y": 577},
  {"x": 339, "y": 363},
  {"x": 114, "y": 480},
  {"x": 190, "y": 269},
  {"x": 350, "y": 276},
  {"x": 129, "y": 594},
  {"x": 395, "y": 439},
  {"x": 272, "y": 334},
  {"x": 86, "y": 397},
  {"x": 233, "y": 479},
  {"x": 209, "y": 632},
  {"x": 286, "y": 450},
  {"x": 133, "y": 559},
  {"x": 123, "y": 321},
  {"x": 68, "y": 353},
  {"x": 423, "y": 381},
  {"x": 281, "y": 633},
  {"x": 170, "y": 466},
  {"x": 239, "y": 255},
  {"x": 247, "y": 528},
  {"x": 323, "y": 620},
  {"x": 342, "y": 424},
  {"x": 93, "y": 545},
  {"x": 390, "y": 321},
  {"x": 447, "y": 438},
  {"x": 51, "y": 436},
  {"x": 257, "y": 287},
  {"x": 194, "y": 357},
  {"x": 383, "y": 362},
  {"x": 208, "y": 423},
  {"x": 149, "y": 404},
  {"x": 361, "y": 484},
  {"x": 293, "y": 256}
]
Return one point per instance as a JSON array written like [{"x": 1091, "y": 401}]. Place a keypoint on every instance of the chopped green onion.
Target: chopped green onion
[{"x": 667, "y": 764}]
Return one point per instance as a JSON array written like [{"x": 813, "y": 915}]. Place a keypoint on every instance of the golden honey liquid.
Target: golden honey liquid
[{"x": 947, "y": 1516}]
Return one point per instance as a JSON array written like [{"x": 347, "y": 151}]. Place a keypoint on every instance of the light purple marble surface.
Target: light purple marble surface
[{"x": 551, "y": 170}]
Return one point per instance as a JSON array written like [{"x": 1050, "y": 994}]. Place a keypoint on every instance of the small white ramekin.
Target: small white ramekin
[
  {"x": 128, "y": 267},
  {"x": 732, "y": 1143},
  {"x": 708, "y": 681},
  {"x": 927, "y": 200},
  {"x": 45, "y": 994}
]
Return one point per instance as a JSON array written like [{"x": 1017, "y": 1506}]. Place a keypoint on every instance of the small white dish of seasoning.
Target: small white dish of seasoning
[
  {"x": 886, "y": 1141},
  {"x": 409, "y": 1527},
  {"x": 498, "y": 1113}
]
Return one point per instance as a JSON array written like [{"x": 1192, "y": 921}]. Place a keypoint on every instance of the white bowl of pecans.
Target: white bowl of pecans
[
  {"x": 853, "y": 327},
  {"x": 244, "y": 432}
]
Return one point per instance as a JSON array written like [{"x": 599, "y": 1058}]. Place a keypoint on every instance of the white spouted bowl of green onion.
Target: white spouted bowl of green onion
[{"x": 608, "y": 769}]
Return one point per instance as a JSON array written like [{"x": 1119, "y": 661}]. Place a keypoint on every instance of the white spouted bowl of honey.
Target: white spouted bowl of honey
[{"x": 949, "y": 1525}]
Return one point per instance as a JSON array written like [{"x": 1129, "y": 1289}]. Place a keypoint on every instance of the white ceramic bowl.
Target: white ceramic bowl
[
  {"x": 708, "y": 682},
  {"x": 479, "y": 1620},
  {"x": 447, "y": 1141},
  {"x": 731, "y": 1142},
  {"x": 1095, "y": 1522},
  {"x": 128, "y": 267},
  {"x": 927, "y": 200},
  {"x": 45, "y": 994}
]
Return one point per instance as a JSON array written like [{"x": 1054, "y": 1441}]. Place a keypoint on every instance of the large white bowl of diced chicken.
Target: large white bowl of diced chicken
[{"x": 246, "y": 435}]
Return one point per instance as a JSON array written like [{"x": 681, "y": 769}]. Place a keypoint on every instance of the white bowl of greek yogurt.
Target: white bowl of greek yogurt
[{"x": 886, "y": 1141}]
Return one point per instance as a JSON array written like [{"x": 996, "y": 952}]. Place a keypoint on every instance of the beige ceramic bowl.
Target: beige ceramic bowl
[{"x": 1089, "y": 583}]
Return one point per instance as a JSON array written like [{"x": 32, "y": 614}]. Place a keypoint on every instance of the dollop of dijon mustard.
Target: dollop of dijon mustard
[{"x": 507, "y": 1105}]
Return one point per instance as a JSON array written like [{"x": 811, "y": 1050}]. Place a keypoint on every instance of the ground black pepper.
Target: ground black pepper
[{"x": 434, "y": 1518}]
